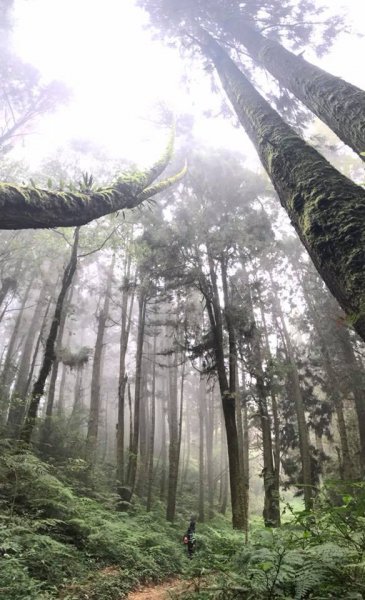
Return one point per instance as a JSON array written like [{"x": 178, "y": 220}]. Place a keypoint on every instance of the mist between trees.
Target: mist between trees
[{"x": 185, "y": 356}]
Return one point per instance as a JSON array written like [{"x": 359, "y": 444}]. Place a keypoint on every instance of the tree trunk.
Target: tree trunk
[
  {"x": 202, "y": 401},
  {"x": 19, "y": 401},
  {"x": 7, "y": 284},
  {"x": 133, "y": 454},
  {"x": 37, "y": 345},
  {"x": 49, "y": 353},
  {"x": 151, "y": 445},
  {"x": 271, "y": 511},
  {"x": 304, "y": 447},
  {"x": 8, "y": 372},
  {"x": 46, "y": 431},
  {"x": 126, "y": 319},
  {"x": 228, "y": 392},
  {"x": 326, "y": 209},
  {"x": 94, "y": 414},
  {"x": 355, "y": 384},
  {"x": 336, "y": 102},
  {"x": 333, "y": 383},
  {"x": 172, "y": 416},
  {"x": 163, "y": 451},
  {"x": 208, "y": 408}
]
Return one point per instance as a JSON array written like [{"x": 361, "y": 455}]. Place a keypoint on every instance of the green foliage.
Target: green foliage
[
  {"x": 317, "y": 555},
  {"x": 52, "y": 538}
]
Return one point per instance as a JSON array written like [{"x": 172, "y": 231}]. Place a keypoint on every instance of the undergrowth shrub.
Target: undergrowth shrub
[{"x": 52, "y": 538}]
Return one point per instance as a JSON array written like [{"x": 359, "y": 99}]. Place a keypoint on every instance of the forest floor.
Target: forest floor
[{"x": 163, "y": 591}]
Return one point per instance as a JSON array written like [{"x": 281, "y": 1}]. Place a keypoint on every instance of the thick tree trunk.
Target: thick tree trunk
[
  {"x": 326, "y": 209},
  {"x": 336, "y": 102},
  {"x": 49, "y": 353},
  {"x": 94, "y": 414}
]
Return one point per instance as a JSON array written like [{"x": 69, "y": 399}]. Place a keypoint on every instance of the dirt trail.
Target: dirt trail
[{"x": 161, "y": 591}]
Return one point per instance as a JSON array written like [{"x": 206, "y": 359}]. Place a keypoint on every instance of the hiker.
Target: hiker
[{"x": 189, "y": 538}]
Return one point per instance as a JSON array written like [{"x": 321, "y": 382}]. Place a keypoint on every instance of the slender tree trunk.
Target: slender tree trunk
[
  {"x": 356, "y": 384},
  {"x": 7, "y": 284},
  {"x": 326, "y": 209},
  {"x": 163, "y": 451},
  {"x": 133, "y": 455},
  {"x": 123, "y": 377},
  {"x": 271, "y": 511},
  {"x": 93, "y": 424},
  {"x": 172, "y": 414},
  {"x": 209, "y": 432},
  {"x": 228, "y": 392},
  {"x": 46, "y": 431},
  {"x": 333, "y": 387},
  {"x": 151, "y": 445},
  {"x": 8, "y": 372},
  {"x": 37, "y": 345},
  {"x": 49, "y": 353},
  {"x": 224, "y": 475},
  {"x": 19, "y": 401},
  {"x": 143, "y": 433},
  {"x": 202, "y": 400},
  {"x": 303, "y": 434},
  {"x": 60, "y": 341}
]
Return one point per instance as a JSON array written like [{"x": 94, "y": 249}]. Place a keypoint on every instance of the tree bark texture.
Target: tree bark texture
[
  {"x": 326, "y": 209},
  {"x": 32, "y": 208},
  {"x": 336, "y": 102}
]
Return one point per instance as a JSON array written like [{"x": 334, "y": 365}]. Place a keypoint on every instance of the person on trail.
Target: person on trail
[{"x": 189, "y": 538}]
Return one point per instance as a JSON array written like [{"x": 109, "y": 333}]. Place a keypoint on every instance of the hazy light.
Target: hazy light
[{"x": 117, "y": 73}]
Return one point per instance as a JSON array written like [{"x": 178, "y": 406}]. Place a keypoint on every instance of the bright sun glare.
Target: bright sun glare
[{"x": 117, "y": 74}]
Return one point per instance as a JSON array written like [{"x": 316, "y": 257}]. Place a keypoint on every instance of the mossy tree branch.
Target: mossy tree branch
[{"x": 33, "y": 208}]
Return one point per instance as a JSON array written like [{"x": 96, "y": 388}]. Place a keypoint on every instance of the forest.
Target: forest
[{"x": 182, "y": 300}]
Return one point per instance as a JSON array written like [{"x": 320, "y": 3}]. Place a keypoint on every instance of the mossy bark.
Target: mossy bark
[
  {"x": 336, "y": 102},
  {"x": 33, "y": 208},
  {"x": 326, "y": 209}
]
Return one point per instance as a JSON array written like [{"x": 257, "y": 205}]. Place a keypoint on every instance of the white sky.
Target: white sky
[{"x": 104, "y": 53}]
